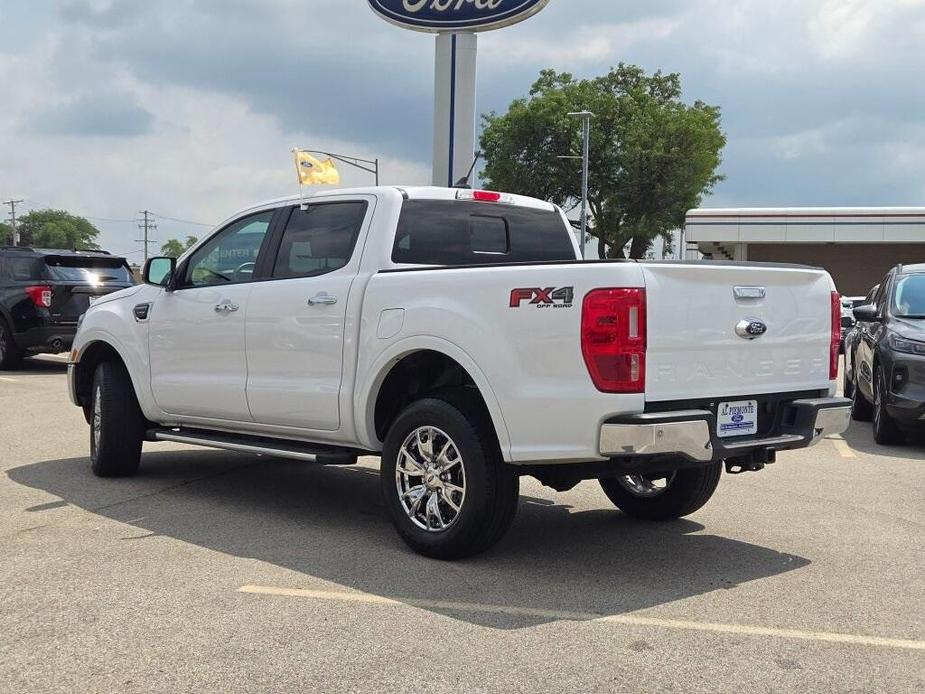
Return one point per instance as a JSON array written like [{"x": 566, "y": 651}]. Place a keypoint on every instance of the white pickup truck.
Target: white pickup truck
[{"x": 456, "y": 334}]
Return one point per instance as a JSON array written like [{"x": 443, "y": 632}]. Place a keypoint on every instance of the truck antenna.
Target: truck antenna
[{"x": 464, "y": 181}]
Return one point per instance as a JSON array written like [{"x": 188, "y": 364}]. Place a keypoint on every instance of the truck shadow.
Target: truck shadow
[{"x": 329, "y": 523}]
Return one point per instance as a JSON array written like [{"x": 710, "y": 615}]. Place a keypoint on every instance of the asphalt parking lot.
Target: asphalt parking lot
[{"x": 214, "y": 571}]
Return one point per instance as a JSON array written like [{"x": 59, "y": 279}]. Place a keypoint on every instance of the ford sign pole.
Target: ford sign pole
[
  {"x": 456, "y": 23},
  {"x": 586, "y": 117}
]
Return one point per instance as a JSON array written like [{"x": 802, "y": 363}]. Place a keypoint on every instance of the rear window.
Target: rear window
[
  {"x": 82, "y": 269},
  {"x": 450, "y": 232}
]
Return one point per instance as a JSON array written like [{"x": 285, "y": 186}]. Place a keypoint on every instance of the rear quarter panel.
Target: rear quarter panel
[{"x": 528, "y": 358}]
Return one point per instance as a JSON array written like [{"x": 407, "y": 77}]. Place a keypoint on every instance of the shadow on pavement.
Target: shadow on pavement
[
  {"x": 37, "y": 366},
  {"x": 329, "y": 523},
  {"x": 860, "y": 437}
]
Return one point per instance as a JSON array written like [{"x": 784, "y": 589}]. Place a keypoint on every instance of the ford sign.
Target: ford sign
[{"x": 456, "y": 15}]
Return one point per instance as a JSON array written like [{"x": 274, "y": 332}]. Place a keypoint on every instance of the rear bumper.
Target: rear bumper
[
  {"x": 46, "y": 339},
  {"x": 691, "y": 433}
]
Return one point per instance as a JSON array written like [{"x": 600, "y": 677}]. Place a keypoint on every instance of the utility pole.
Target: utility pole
[
  {"x": 586, "y": 117},
  {"x": 13, "y": 204},
  {"x": 146, "y": 224}
]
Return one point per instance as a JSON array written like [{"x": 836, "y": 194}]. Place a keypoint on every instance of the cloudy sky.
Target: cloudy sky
[{"x": 189, "y": 108}]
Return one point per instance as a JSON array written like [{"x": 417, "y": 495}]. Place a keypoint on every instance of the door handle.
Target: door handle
[
  {"x": 322, "y": 299},
  {"x": 226, "y": 307}
]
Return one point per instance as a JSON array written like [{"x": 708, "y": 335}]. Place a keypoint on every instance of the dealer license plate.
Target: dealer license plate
[{"x": 737, "y": 418}]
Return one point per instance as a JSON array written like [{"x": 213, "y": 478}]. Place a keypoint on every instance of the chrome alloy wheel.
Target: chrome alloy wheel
[
  {"x": 646, "y": 486},
  {"x": 97, "y": 416},
  {"x": 430, "y": 478}
]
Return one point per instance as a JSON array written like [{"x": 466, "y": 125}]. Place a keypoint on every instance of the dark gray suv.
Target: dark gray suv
[{"x": 885, "y": 355}]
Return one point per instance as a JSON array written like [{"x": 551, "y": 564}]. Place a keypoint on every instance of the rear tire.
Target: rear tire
[
  {"x": 10, "y": 354},
  {"x": 886, "y": 431},
  {"x": 686, "y": 491},
  {"x": 117, "y": 426},
  {"x": 448, "y": 491}
]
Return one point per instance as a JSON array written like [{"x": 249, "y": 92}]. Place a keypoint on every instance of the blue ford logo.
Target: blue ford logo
[
  {"x": 737, "y": 418},
  {"x": 456, "y": 15}
]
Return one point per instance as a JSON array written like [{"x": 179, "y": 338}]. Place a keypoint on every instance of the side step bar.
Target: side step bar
[{"x": 296, "y": 450}]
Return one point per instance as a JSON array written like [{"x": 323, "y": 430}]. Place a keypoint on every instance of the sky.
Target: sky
[{"x": 190, "y": 108}]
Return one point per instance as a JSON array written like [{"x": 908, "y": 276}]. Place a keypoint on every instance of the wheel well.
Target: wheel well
[
  {"x": 417, "y": 376},
  {"x": 95, "y": 354}
]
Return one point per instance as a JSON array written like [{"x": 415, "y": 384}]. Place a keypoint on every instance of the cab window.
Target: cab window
[
  {"x": 319, "y": 239},
  {"x": 230, "y": 256}
]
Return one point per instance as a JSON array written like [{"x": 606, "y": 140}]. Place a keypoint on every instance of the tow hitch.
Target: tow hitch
[{"x": 754, "y": 462}]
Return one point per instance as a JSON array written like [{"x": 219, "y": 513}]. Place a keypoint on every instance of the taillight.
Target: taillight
[
  {"x": 613, "y": 339},
  {"x": 41, "y": 296},
  {"x": 835, "y": 343}
]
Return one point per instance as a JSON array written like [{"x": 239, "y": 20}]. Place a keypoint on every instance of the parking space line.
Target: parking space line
[
  {"x": 844, "y": 450},
  {"x": 8, "y": 380},
  {"x": 623, "y": 620}
]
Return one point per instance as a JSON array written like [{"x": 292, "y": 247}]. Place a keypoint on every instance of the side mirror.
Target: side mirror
[
  {"x": 158, "y": 271},
  {"x": 867, "y": 314}
]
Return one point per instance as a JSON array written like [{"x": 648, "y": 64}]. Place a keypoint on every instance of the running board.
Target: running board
[{"x": 296, "y": 450}]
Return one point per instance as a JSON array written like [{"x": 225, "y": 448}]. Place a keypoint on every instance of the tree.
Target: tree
[
  {"x": 6, "y": 234},
  {"x": 653, "y": 157},
  {"x": 174, "y": 248},
  {"x": 56, "y": 229}
]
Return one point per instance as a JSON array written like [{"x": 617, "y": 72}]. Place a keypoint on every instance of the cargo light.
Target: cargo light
[
  {"x": 613, "y": 339},
  {"x": 40, "y": 295},
  {"x": 835, "y": 342},
  {"x": 484, "y": 196}
]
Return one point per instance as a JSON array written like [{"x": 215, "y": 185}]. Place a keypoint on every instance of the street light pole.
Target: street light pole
[{"x": 586, "y": 117}]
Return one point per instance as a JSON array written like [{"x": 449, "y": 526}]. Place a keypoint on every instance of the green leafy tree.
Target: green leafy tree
[
  {"x": 653, "y": 157},
  {"x": 57, "y": 229},
  {"x": 174, "y": 248},
  {"x": 6, "y": 234}
]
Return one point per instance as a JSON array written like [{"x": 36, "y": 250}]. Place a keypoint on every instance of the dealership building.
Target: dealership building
[{"x": 856, "y": 245}]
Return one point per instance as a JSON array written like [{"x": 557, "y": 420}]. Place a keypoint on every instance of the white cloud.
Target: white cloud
[{"x": 580, "y": 46}]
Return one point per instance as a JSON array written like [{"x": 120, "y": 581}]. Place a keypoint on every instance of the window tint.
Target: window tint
[
  {"x": 26, "y": 268},
  {"x": 319, "y": 239},
  {"x": 909, "y": 296},
  {"x": 231, "y": 256},
  {"x": 449, "y": 232},
  {"x": 84, "y": 269}
]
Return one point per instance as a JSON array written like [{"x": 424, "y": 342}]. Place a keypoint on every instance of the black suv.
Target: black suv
[
  {"x": 885, "y": 355},
  {"x": 43, "y": 293}
]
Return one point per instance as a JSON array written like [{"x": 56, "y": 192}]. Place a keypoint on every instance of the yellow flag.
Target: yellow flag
[{"x": 313, "y": 171}]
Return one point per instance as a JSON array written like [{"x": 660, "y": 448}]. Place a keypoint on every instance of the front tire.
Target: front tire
[
  {"x": 10, "y": 354},
  {"x": 447, "y": 490},
  {"x": 861, "y": 409},
  {"x": 847, "y": 382},
  {"x": 886, "y": 431},
  {"x": 663, "y": 497},
  {"x": 117, "y": 426}
]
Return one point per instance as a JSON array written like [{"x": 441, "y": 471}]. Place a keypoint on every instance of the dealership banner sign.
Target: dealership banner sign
[{"x": 438, "y": 16}]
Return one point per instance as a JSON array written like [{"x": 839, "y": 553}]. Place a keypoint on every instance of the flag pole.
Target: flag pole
[{"x": 298, "y": 171}]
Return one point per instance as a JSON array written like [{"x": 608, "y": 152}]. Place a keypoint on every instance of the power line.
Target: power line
[
  {"x": 13, "y": 204},
  {"x": 182, "y": 221},
  {"x": 146, "y": 224}
]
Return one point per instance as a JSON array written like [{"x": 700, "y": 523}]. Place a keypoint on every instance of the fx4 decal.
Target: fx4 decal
[{"x": 550, "y": 297}]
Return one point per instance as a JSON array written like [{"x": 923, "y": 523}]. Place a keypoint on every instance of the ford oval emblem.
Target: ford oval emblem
[
  {"x": 750, "y": 329},
  {"x": 456, "y": 15}
]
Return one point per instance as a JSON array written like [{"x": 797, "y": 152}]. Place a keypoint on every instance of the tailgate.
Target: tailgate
[
  {"x": 694, "y": 350},
  {"x": 69, "y": 301},
  {"x": 76, "y": 281}
]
